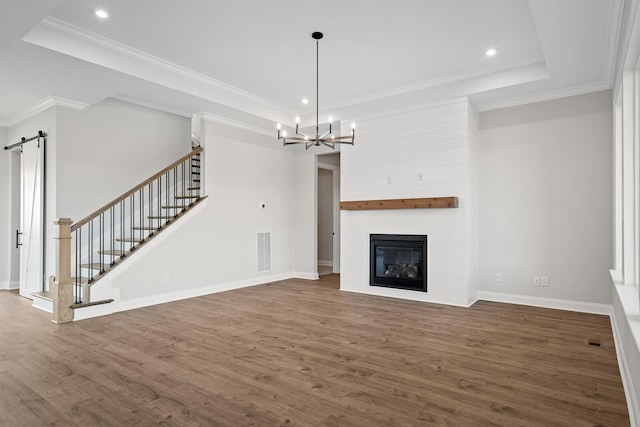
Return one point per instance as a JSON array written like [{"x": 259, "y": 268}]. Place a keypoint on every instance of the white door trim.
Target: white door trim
[{"x": 336, "y": 213}]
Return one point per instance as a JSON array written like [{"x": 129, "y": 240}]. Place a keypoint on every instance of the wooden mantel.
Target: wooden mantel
[{"x": 421, "y": 203}]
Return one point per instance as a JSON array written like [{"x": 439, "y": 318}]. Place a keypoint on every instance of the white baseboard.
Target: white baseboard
[
  {"x": 325, "y": 263},
  {"x": 559, "y": 304},
  {"x": 305, "y": 276},
  {"x": 92, "y": 311},
  {"x": 117, "y": 306},
  {"x": 42, "y": 304},
  {"x": 633, "y": 405},
  {"x": 9, "y": 285}
]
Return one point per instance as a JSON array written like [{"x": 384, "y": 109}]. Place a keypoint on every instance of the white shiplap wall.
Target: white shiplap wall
[{"x": 439, "y": 143}]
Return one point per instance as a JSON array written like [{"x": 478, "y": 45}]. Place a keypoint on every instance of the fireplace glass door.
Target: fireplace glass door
[{"x": 398, "y": 261}]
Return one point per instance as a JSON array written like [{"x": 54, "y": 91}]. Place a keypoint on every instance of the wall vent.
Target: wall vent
[{"x": 264, "y": 251}]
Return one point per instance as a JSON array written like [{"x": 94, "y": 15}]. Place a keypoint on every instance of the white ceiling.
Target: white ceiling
[{"x": 252, "y": 61}]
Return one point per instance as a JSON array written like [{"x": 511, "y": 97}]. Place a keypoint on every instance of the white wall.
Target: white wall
[
  {"x": 545, "y": 198},
  {"x": 6, "y": 233},
  {"x": 216, "y": 248},
  {"x": 473, "y": 193},
  {"x": 304, "y": 238},
  {"x": 330, "y": 159},
  {"x": 108, "y": 148},
  {"x": 437, "y": 142}
]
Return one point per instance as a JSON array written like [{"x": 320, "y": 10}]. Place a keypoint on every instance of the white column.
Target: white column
[{"x": 629, "y": 261}]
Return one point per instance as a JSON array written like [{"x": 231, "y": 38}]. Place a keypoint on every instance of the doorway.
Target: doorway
[{"x": 328, "y": 213}]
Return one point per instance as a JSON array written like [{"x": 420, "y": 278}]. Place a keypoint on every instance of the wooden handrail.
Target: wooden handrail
[{"x": 134, "y": 189}]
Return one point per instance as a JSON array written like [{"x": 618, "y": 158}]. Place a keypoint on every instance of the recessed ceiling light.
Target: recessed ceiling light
[
  {"x": 305, "y": 101},
  {"x": 491, "y": 52},
  {"x": 100, "y": 13}
]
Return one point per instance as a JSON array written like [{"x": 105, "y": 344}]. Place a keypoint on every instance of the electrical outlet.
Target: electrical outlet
[
  {"x": 544, "y": 281},
  {"x": 389, "y": 179},
  {"x": 165, "y": 278},
  {"x": 536, "y": 280},
  {"x": 419, "y": 176},
  {"x": 498, "y": 277}
]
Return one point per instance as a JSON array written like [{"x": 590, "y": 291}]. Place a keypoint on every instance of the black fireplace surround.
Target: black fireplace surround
[{"x": 398, "y": 261}]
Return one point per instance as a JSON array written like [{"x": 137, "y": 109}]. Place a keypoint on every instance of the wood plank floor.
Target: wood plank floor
[{"x": 303, "y": 353}]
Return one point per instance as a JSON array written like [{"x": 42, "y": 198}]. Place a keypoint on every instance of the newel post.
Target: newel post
[{"x": 63, "y": 289}]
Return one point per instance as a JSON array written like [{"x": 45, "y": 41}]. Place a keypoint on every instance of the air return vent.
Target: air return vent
[{"x": 264, "y": 251}]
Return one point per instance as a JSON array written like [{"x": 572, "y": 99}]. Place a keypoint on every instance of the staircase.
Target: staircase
[{"x": 92, "y": 247}]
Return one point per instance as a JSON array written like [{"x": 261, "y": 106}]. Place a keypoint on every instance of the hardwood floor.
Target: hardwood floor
[{"x": 303, "y": 353}]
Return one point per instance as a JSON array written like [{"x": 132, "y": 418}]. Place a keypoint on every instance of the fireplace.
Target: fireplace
[{"x": 398, "y": 261}]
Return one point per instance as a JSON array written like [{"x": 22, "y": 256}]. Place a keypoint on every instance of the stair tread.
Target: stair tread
[
  {"x": 112, "y": 252},
  {"x": 129, "y": 239},
  {"x": 80, "y": 280},
  {"x": 160, "y": 217},
  {"x": 144, "y": 228},
  {"x": 193, "y": 188},
  {"x": 91, "y": 303},
  {"x": 187, "y": 197},
  {"x": 175, "y": 207},
  {"x": 46, "y": 295},
  {"x": 93, "y": 266}
]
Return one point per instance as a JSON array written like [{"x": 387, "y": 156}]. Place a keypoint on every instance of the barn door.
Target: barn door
[{"x": 31, "y": 233}]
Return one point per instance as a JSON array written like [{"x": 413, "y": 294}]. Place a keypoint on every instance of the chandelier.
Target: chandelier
[{"x": 327, "y": 139}]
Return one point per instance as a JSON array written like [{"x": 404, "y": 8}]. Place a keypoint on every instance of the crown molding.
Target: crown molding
[
  {"x": 38, "y": 107},
  {"x": 235, "y": 124},
  {"x": 409, "y": 109},
  {"x": 546, "y": 96},
  {"x": 152, "y": 105},
  {"x": 427, "y": 84},
  {"x": 151, "y": 60}
]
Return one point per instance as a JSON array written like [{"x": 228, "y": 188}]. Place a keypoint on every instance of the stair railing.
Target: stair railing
[{"x": 111, "y": 233}]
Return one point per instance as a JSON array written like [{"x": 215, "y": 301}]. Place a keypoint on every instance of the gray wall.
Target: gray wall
[
  {"x": 107, "y": 148},
  {"x": 325, "y": 215},
  {"x": 546, "y": 193}
]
